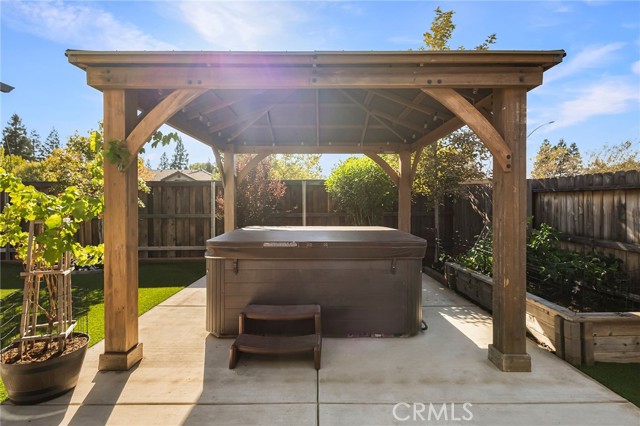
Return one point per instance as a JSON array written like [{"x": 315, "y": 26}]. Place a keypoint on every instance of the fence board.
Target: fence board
[
  {"x": 143, "y": 227},
  {"x": 157, "y": 223},
  {"x": 169, "y": 206}
]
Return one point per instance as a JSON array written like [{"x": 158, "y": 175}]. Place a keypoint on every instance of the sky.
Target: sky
[{"x": 593, "y": 97}]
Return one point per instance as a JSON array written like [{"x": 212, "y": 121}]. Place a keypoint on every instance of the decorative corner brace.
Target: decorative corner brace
[{"x": 469, "y": 114}]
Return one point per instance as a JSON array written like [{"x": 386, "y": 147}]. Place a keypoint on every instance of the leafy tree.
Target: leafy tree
[
  {"x": 617, "y": 158},
  {"x": 459, "y": 157},
  {"x": 442, "y": 28},
  {"x": 296, "y": 166},
  {"x": 441, "y": 31},
  {"x": 82, "y": 144},
  {"x": 257, "y": 195},
  {"x": 67, "y": 167},
  {"x": 164, "y": 162},
  {"x": 362, "y": 190},
  {"x": 15, "y": 140},
  {"x": 10, "y": 162},
  {"x": 79, "y": 164},
  {"x": 207, "y": 166},
  {"x": 557, "y": 160},
  {"x": 180, "y": 159}
]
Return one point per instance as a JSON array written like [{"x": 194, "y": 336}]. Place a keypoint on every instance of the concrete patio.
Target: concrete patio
[{"x": 184, "y": 379}]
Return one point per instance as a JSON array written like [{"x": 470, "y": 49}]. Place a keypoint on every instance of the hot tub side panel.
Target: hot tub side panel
[
  {"x": 215, "y": 283},
  {"x": 358, "y": 297}
]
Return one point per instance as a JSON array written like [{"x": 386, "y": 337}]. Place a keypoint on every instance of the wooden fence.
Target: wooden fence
[
  {"x": 600, "y": 212},
  {"x": 177, "y": 219}
]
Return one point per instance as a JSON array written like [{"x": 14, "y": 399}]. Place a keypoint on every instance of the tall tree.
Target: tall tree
[
  {"x": 441, "y": 31},
  {"x": 622, "y": 157},
  {"x": 15, "y": 140},
  {"x": 164, "y": 162},
  {"x": 257, "y": 195},
  {"x": 557, "y": 160},
  {"x": 36, "y": 143},
  {"x": 50, "y": 144},
  {"x": 457, "y": 158},
  {"x": 180, "y": 158},
  {"x": 296, "y": 166}
]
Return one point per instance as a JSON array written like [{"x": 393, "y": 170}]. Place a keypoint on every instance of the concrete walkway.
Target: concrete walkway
[{"x": 441, "y": 377}]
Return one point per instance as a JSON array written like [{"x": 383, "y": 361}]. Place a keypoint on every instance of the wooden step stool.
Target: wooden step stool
[{"x": 278, "y": 345}]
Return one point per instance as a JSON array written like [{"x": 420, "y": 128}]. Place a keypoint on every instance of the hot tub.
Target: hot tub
[{"x": 366, "y": 279}]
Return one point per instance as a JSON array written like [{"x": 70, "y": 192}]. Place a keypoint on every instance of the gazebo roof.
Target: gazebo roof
[{"x": 322, "y": 102}]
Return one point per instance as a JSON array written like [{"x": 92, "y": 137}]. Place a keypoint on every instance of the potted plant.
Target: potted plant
[{"x": 44, "y": 360}]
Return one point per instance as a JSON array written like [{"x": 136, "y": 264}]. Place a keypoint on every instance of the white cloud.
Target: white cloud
[
  {"x": 613, "y": 96},
  {"x": 242, "y": 25},
  {"x": 590, "y": 57},
  {"x": 636, "y": 67},
  {"x": 79, "y": 25}
]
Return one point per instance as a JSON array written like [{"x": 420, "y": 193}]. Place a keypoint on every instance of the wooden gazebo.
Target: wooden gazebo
[{"x": 368, "y": 103}]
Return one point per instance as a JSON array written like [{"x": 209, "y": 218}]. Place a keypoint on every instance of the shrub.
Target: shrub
[
  {"x": 582, "y": 281},
  {"x": 362, "y": 190}
]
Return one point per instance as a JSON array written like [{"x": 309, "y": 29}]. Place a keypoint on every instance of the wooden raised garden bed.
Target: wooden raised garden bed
[{"x": 578, "y": 338}]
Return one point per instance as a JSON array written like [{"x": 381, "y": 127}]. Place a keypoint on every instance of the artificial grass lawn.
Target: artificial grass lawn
[
  {"x": 156, "y": 283},
  {"x": 620, "y": 378}
]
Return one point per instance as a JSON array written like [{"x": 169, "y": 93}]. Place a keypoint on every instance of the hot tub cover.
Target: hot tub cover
[{"x": 316, "y": 242}]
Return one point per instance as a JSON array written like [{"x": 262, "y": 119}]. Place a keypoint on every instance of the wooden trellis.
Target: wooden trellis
[{"x": 56, "y": 281}]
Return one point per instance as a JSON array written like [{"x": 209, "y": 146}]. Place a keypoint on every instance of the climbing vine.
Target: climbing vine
[{"x": 118, "y": 153}]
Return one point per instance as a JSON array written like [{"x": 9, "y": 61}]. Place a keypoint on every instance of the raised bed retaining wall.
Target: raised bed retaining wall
[{"x": 578, "y": 338}]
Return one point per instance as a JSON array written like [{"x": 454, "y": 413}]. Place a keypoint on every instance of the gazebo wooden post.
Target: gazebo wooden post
[
  {"x": 404, "y": 192},
  {"x": 122, "y": 348},
  {"x": 508, "y": 350},
  {"x": 229, "y": 189}
]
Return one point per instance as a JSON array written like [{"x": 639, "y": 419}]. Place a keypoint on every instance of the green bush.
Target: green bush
[
  {"x": 582, "y": 281},
  {"x": 362, "y": 190}
]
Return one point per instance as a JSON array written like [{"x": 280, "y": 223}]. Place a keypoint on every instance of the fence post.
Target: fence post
[
  {"x": 304, "y": 203},
  {"x": 587, "y": 343},
  {"x": 572, "y": 342}
]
